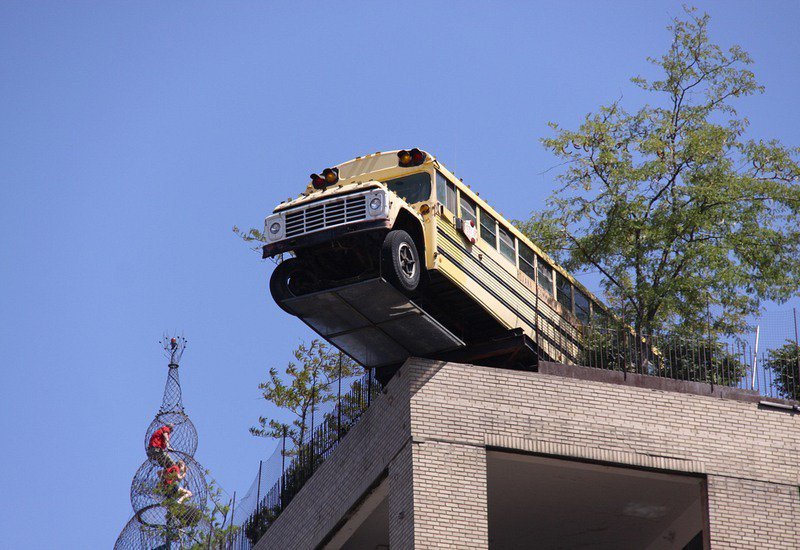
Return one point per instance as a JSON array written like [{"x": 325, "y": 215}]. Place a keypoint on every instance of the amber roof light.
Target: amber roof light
[
  {"x": 414, "y": 157},
  {"x": 331, "y": 175},
  {"x": 318, "y": 182}
]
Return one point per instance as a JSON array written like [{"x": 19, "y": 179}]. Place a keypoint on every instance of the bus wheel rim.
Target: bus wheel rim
[{"x": 407, "y": 264}]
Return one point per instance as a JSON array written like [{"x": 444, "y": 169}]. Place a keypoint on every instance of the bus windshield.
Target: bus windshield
[{"x": 412, "y": 188}]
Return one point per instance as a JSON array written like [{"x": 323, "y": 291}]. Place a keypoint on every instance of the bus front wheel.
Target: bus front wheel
[{"x": 400, "y": 259}]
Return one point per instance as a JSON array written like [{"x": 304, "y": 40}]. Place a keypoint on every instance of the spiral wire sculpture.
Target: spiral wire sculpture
[{"x": 169, "y": 491}]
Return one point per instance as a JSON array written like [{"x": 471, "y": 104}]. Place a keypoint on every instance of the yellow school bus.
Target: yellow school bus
[{"x": 393, "y": 256}]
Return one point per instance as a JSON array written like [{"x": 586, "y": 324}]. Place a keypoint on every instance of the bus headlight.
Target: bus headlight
[
  {"x": 275, "y": 228},
  {"x": 375, "y": 204}
]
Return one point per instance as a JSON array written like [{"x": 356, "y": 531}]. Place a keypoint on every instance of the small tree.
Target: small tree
[
  {"x": 309, "y": 382},
  {"x": 208, "y": 528},
  {"x": 691, "y": 224},
  {"x": 252, "y": 235},
  {"x": 784, "y": 363}
]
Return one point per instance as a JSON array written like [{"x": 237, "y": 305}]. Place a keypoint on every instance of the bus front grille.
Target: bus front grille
[{"x": 328, "y": 214}]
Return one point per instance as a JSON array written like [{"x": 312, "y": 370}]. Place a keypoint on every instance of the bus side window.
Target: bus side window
[
  {"x": 488, "y": 229},
  {"x": 582, "y": 306},
  {"x": 446, "y": 193},
  {"x": 451, "y": 197},
  {"x": 545, "y": 273},
  {"x": 468, "y": 210},
  {"x": 564, "y": 291},
  {"x": 507, "y": 248},
  {"x": 600, "y": 317},
  {"x": 441, "y": 189},
  {"x": 527, "y": 261}
]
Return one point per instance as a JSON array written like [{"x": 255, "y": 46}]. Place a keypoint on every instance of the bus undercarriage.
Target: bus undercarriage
[{"x": 380, "y": 326}]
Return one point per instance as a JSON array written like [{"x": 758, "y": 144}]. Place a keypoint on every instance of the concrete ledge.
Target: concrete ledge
[{"x": 649, "y": 382}]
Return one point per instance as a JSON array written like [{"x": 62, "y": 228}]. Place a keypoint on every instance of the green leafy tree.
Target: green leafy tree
[
  {"x": 218, "y": 516},
  {"x": 691, "y": 224},
  {"x": 251, "y": 236},
  {"x": 309, "y": 382},
  {"x": 784, "y": 363},
  {"x": 194, "y": 528}
]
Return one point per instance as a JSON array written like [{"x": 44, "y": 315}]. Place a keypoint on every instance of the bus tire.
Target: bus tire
[
  {"x": 400, "y": 260},
  {"x": 292, "y": 277}
]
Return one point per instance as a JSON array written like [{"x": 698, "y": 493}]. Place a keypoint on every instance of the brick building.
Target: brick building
[{"x": 462, "y": 456}]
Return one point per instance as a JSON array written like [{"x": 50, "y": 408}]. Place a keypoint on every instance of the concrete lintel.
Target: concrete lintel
[{"x": 596, "y": 454}]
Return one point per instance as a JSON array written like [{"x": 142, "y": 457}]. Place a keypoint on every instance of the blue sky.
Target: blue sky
[{"x": 133, "y": 136}]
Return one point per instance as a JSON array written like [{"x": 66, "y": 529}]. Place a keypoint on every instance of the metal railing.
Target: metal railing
[
  {"x": 299, "y": 464},
  {"x": 772, "y": 371}
]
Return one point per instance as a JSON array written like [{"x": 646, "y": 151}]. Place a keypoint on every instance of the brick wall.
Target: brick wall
[
  {"x": 753, "y": 514},
  {"x": 583, "y": 419},
  {"x": 450, "y": 496},
  {"x": 750, "y": 454},
  {"x": 430, "y": 431},
  {"x": 401, "y": 498}
]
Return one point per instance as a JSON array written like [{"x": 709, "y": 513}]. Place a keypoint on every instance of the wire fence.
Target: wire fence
[
  {"x": 284, "y": 473},
  {"x": 269, "y": 471}
]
